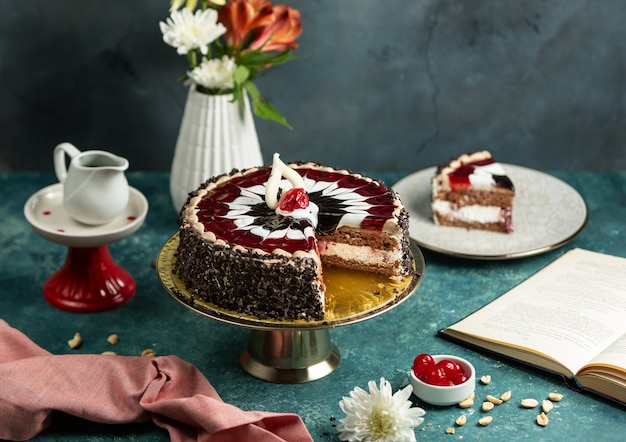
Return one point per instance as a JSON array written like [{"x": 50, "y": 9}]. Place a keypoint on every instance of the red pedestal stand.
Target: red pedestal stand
[{"x": 89, "y": 281}]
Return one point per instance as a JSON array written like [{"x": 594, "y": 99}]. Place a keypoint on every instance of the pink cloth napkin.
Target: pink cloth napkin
[{"x": 122, "y": 389}]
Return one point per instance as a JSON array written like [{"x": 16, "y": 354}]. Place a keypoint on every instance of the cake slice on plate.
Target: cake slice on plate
[{"x": 473, "y": 191}]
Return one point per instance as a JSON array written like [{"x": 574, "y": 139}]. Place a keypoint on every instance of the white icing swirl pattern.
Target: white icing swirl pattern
[{"x": 235, "y": 210}]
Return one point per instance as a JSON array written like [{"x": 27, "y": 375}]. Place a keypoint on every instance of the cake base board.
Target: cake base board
[
  {"x": 351, "y": 295},
  {"x": 299, "y": 351}
]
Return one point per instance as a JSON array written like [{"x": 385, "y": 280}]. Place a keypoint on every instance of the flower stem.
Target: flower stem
[{"x": 192, "y": 56}]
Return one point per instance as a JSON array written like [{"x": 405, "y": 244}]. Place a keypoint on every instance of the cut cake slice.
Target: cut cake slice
[{"x": 473, "y": 191}]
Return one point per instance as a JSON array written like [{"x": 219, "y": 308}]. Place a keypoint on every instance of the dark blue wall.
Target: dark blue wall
[{"x": 380, "y": 85}]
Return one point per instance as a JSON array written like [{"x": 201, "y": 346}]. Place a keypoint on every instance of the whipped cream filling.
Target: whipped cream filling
[
  {"x": 469, "y": 214},
  {"x": 360, "y": 254}
]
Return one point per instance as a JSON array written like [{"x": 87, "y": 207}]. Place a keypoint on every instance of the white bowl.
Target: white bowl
[{"x": 438, "y": 395}]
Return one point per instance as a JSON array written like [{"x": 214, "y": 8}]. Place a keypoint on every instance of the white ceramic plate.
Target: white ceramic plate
[
  {"x": 547, "y": 213},
  {"x": 45, "y": 213}
]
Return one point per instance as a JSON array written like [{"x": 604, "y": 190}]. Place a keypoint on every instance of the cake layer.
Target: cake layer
[
  {"x": 492, "y": 227},
  {"x": 368, "y": 250},
  {"x": 362, "y": 258},
  {"x": 496, "y": 217},
  {"x": 480, "y": 197}
]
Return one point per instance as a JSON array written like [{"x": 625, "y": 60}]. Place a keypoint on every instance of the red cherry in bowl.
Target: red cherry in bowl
[
  {"x": 437, "y": 376},
  {"x": 459, "y": 387},
  {"x": 451, "y": 368},
  {"x": 444, "y": 372},
  {"x": 422, "y": 363},
  {"x": 460, "y": 378}
]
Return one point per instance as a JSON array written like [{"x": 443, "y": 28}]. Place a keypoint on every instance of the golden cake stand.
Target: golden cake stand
[{"x": 299, "y": 351}]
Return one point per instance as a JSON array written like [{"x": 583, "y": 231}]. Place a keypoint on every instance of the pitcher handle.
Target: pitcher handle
[{"x": 60, "y": 167}]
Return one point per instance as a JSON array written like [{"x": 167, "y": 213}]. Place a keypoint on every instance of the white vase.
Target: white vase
[{"x": 215, "y": 137}]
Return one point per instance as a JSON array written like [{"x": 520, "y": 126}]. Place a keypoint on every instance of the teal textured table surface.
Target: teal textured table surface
[{"x": 383, "y": 346}]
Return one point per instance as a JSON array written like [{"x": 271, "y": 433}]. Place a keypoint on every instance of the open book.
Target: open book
[{"x": 569, "y": 318}]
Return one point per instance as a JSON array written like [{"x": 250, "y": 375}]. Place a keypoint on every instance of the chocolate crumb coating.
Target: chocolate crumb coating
[{"x": 218, "y": 275}]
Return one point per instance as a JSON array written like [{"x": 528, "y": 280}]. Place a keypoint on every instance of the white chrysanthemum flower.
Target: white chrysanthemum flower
[
  {"x": 379, "y": 416},
  {"x": 216, "y": 73},
  {"x": 191, "y": 4},
  {"x": 187, "y": 31}
]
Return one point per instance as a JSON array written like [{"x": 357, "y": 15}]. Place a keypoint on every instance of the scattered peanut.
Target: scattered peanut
[
  {"x": 76, "y": 341},
  {"x": 506, "y": 396},
  {"x": 529, "y": 403},
  {"x": 486, "y": 379},
  {"x": 484, "y": 421},
  {"x": 555, "y": 397},
  {"x": 487, "y": 406},
  {"x": 108, "y": 353},
  {"x": 113, "y": 339},
  {"x": 148, "y": 352},
  {"x": 449, "y": 430},
  {"x": 466, "y": 403},
  {"x": 461, "y": 420},
  {"x": 542, "y": 419},
  {"x": 494, "y": 400},
  {"x": 547, "y": 406}
]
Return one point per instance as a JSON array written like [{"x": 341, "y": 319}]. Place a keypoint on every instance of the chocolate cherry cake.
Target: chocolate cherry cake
[
  {"x": 473, "y": 191},
  {"x": 255, "y": 241}
]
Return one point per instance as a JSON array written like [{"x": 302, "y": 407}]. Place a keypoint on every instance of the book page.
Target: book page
[
  {"x": 571, "y": 310},
  {"x": 614, "y": 354}
]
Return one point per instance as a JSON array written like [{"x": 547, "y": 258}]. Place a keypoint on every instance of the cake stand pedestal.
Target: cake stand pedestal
[
  {"x": 290, "y": 356},
  {"x": 89, "y": 280},
  {"x": 290, "y": 352}
]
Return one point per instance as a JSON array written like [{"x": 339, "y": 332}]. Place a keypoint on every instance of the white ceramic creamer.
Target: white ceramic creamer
[{"x": 95, "y": 189}]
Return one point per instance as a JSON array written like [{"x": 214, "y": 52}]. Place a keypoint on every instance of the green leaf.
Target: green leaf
[
  {"x": 253, "y": 91},
  {"x": 262, "y": 108},
  {"x": 257, "y": 60},
  {"x": 241, "y": 74},
  {"x": 239, "y": 78},
  {"x": 283, "y": 57}
]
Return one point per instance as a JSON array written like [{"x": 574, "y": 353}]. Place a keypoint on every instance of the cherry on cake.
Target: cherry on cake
[
  {"x": 475, "y": 192},
  {"x": 256, "y": 241}
]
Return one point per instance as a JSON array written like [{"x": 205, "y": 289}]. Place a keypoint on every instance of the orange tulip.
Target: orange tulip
[
  {"x": 281, "y": 34},
  {"x": 241, "y": 17},
  {"x": 259, "y": 25}
]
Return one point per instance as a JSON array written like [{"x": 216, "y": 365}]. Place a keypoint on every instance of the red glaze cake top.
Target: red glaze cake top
[
  {"x": 478, "y": 170},
  {"x": 235, "y": 211},
  {"x": 460, "y": 177}
]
